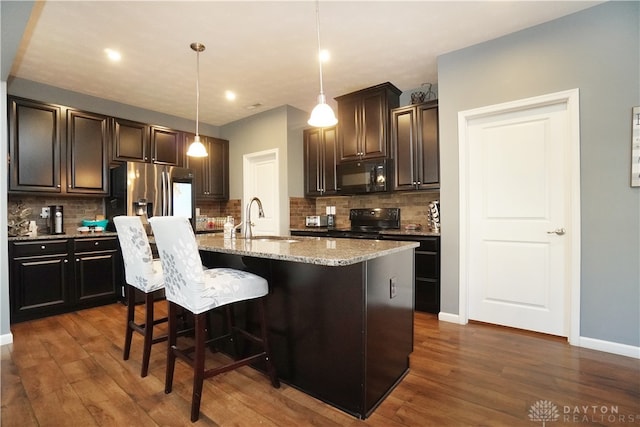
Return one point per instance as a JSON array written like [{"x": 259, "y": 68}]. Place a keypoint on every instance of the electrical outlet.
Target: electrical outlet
[
  {"x": 44, "y": 213},
  {"x": 393, "y": 287}
]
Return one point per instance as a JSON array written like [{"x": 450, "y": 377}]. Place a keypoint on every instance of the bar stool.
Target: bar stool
[
  {"x": 143, "y": 273},
  {"x": 199, "y": 290}
]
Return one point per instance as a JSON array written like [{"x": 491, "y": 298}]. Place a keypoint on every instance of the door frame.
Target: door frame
[{"x": 571, "y": 99}]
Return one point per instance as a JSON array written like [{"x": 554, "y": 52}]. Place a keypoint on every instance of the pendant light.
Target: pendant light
[
  {"x": 197, "y": 149},
  {"x": 322, "y": 115}
]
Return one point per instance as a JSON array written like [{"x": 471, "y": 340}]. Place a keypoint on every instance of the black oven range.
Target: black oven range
[{"x": 367, "y": 223}]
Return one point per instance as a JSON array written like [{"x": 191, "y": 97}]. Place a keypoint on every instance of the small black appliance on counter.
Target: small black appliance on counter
[{"x": 55, "y": 220}]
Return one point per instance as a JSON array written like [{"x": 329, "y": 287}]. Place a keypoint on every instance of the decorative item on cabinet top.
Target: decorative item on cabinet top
[{"x": 419, "y": 97}]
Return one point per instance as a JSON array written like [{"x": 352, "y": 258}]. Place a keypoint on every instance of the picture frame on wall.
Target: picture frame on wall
[{"x": 635, "y": 147}]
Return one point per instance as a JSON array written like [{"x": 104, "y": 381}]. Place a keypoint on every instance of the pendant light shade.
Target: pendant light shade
[
  {"x": 197, "y": 149},
  {"x": 322, "y": 114}
]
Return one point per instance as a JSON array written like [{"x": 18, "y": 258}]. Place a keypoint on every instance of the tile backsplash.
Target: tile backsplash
[
  {"x": 75, "y": 209},
  {"x": 413, "y": 206}
]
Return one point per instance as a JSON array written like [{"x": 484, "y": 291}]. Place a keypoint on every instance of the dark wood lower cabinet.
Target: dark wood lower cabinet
[
  {"x": 53, "y": 276},
  {"x": 97, "y": 269},
  {"x": 427, "y": 271},
  {"x": 38, "y": 279}
]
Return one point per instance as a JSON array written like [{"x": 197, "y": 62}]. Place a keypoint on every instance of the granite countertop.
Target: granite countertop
[
  {"x": 73, "y": 235},
  {"x": 310, "y": 250},
  {"x": 400, "y": 232}
]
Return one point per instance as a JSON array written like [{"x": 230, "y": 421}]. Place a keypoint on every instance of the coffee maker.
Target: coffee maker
[{"x": 55, "y": 220}]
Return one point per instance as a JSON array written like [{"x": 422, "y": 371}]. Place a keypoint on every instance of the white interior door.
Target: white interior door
[
  {"x": 519, "y": 191},
  {"x": 261, "y": 178}
]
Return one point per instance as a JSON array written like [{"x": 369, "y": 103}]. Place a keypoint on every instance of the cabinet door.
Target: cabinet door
[
  {"x": 96, "y": 273},
  {"x": 87, "y": 153},
  {"x": 39, "y": 272},
  {"x": 428, "y": 150},
  {"x": 373, "y": 125},
  {"x": 404, "y": 142},
  {"x": 34, "y": 146},
  {"x": 39, "y": 286},
  {"x": 329, "y": 161},
  {"x": 166, "y": 146},
  {"x": 312, "y": 162},
  {"x": 218, "y": 150},
  {"x": 130, "y": 141},
  {"x": 349, "y": 115},
  {"x": 320, "y": 151},
  {"x": 211, "y": 172}
]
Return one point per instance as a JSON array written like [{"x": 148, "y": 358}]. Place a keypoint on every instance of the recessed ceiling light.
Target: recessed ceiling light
[
  {"x": 324, "y": 55},
  {"x": 113, "y": 55},
  {"x": 230, "y": 95}
]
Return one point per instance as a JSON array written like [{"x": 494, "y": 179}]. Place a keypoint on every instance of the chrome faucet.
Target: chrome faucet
[{"x": 247, "y": 217}]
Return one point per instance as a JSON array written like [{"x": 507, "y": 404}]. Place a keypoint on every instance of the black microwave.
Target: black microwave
[{"x": 364, "y": 176}]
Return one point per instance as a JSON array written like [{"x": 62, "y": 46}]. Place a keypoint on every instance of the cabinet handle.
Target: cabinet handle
[
  {"x": 58, "y": 186},
  {"x": 66, "y": 261},
  {"x": 77, "y": 259},
  {"x": 43, "y": 247},
  {"x": 96, "y": 243}
]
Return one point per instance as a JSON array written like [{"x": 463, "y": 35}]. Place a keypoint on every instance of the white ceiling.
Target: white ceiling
[{"x": 265, "y": 51}]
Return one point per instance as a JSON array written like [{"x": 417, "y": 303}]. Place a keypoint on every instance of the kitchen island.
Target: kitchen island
[{"x": 340, "y": 312}]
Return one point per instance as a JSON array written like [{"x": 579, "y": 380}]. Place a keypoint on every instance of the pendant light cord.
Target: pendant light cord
[
  {"x": 318, "y": 31},
  {"x": 197, "y": 90}
]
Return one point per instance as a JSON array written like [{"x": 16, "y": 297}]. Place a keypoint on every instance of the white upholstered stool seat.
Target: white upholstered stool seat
[
  {"x": 199, "y": 290},
  {"x": 143, "y": 273}
]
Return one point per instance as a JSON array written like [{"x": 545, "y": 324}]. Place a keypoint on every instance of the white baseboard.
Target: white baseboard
[
  {"x": 6, "y": 339},
  {"x": 449, "y": 317},
  {"x": 609, "y": 347},
  {"x": 591, "y": 343}
]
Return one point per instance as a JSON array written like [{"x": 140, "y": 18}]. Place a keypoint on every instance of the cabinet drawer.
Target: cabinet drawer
[
  {"x": 40, "y": 247},
  {"x": 429, "y": 244},
  {"x": 96, "y": 244}
]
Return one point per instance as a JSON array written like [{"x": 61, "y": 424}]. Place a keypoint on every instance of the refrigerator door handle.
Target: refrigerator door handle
[{"x": 165, "y": 203}]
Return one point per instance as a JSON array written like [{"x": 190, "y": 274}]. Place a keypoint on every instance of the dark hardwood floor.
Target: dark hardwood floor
[{"x": 68, "y": 370}]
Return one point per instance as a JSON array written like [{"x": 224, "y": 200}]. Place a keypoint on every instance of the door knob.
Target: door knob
[{"x": 558, "y": 231}]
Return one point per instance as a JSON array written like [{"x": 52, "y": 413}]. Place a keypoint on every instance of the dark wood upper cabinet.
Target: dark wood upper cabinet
[
  {"x": 130, "y": 141},
  {"x": 166, "y": 146},
  {"x": 320, "y": 159},
  {"x": 54, "y": 149},
  {"x": 88, "y": 143},
  {"x": 211, "y": 172},
  {"x": 34, "y": 146},
  {"x": 415, "y": 147},
  {"x": 363, "y": 122}
]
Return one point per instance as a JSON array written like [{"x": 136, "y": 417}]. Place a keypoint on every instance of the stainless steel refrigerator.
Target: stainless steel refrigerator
[{"x": 148, "y": 190}]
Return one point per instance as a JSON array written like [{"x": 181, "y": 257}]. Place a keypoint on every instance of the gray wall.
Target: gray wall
[
  {"x": 279, "y": 128},
  {"x": 13, "y": 20},
  {"x": 597, "y": 51}
]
